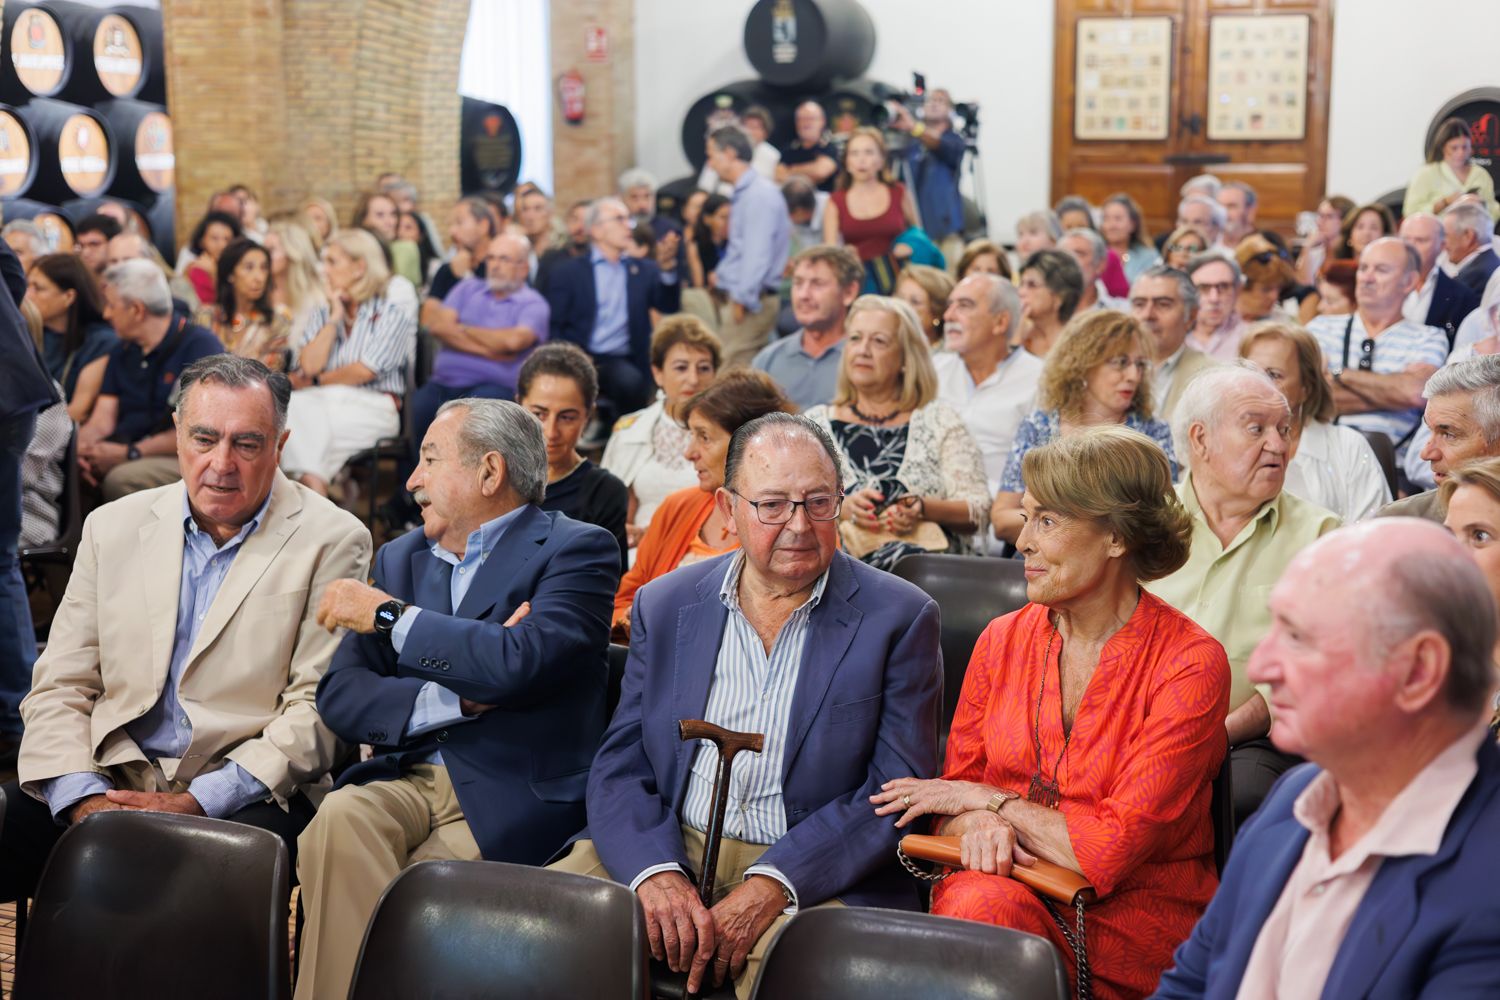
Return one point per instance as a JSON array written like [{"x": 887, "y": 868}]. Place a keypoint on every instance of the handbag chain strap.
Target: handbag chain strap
[{"x": 1077, "y": 939}]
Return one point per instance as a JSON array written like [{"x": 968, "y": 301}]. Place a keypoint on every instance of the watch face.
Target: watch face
[{"x": 387, "y": 614}]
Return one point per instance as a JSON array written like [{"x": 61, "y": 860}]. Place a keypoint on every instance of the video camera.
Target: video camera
[{"x": 966, "y": 114}]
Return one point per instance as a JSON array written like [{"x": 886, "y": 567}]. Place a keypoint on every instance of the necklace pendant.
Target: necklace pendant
[{"x": 1043, "y": 792}]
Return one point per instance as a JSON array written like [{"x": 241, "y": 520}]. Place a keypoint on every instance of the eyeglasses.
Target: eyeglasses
[
  {"x": 1122, "y": 363},
  {"x": 1184, "y": 248},
  {"x": 824, "y": 507},
  {"x": 1367, "y": 354},
  {"x": 1215, "y": 288}
]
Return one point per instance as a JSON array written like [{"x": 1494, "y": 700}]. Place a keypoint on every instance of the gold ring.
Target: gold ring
[{"x": 906, "y": 801}]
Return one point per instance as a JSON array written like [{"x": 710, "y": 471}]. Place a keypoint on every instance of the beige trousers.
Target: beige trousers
[
  {"x": 743, "y": 340},
  {"x": 142, "y": 474},
  {"x": 734, "y": 857},
  {"x": 361, "y": 839}
]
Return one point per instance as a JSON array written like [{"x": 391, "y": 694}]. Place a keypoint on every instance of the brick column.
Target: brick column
[{"x": 587, "y": 158}]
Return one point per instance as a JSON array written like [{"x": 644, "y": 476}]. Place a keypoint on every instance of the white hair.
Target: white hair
[
  {"x": 141, "y": 281},
  {"x": 1203, "y": 401},
  {"x": 637, "y": 177},
  {"x": 1472, "y": 218},
  {"x": 508, "y": 428},
  {"x": 1220, "y": 215}
]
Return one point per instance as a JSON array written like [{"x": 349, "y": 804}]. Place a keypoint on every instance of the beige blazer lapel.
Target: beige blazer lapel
[
  {"x": 161, "y": 542},
  {"x": 256, "y": 555}
]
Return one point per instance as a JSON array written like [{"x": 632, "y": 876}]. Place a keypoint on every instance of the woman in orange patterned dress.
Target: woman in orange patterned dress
[{"x": 1091, "y": 722}]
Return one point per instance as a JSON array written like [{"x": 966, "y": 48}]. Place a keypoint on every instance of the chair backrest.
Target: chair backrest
[
  {"x": 836, "y": 952},
  {"x": 209, "y": 897},
  {"x": 1221, "y": 811},
  {"x": 970, "y": 592},
  {"x": 1385, "y": 454},
  {"x": 480, "y": 928},
  {"x": 618, "y": 654}
]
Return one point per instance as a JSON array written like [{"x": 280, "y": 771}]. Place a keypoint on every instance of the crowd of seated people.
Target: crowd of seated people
[{"x": 713, "y": 437}]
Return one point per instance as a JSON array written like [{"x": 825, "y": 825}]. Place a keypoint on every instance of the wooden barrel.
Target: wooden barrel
[
  {"x": 851, "y": 104},
  {"x": 103, "y": 52},
  {"x": 145, "y": 25},
  {"x": 723, "y": 106},
  {"x": 18, "y": 154},
  {"x": 671, "y": 195},
  {"x": 146, "y": 162},
  {"x": 808, "y": 44},
  {"x": 37, "y": 56},
  {"x": 489, "y": 148},
  {"x": 54, "y": 223},
  {"x": 75, "y": 150}
]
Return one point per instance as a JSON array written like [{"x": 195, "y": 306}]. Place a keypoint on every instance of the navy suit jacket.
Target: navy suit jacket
[
  {"x": 519, "y": 769},
  {"x": 865, "y": 710},
  {"x": 1452, "y": 300},
  {"x": 25, "y": 385},
  {"x": 570, "y": 293},
  {"x": 1429, "y": 926},
  {"x": 1476, "y": 273}
]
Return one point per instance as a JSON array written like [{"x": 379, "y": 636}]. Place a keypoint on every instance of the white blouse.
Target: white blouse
[
  {"x": 1336, "y": 469},
  {"x": 645, "y": 453}
]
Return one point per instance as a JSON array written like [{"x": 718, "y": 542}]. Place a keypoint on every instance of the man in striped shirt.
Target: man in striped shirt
[{"x": 837, "y": 664}]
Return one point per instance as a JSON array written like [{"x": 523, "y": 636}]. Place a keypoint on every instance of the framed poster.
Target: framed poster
[
  {"x": 1122, "y": 78},
  {"x": 1257, "y": 76}
]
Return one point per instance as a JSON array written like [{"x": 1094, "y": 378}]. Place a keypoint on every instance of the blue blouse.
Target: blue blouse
[{"x": 1041, "y": 426}]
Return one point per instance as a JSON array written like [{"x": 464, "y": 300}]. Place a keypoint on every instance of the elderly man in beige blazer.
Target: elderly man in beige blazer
[{"x": 181, "y": 669}]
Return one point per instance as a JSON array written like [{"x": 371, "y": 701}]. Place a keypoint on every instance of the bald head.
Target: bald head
[
  {"x": 1423, "y": 232},
  {"x": 126, "y": 246},
  {"x": 507, "y": 262},
  {"x": 1388, "y": 271}
]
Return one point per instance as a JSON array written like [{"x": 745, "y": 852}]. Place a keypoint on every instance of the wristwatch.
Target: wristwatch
[
  {"x": 998, "y": 800},
  {"x": 1336, "y": 372},
  {"x": 132, "y": 453},
  {"x": 386, "y": 617}
]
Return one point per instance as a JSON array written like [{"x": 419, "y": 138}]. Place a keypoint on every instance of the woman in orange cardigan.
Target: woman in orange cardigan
[{"x": 688, "y": 527}]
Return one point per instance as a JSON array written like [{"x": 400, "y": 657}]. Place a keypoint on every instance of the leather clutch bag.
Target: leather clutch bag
[{"x": 1051, "y": 880}]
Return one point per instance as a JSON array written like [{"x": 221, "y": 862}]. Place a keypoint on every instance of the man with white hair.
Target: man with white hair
[
  {"x": 1438, "y": 300},
  {"x": 25, "y": 238},
  {"x": 1207, "y": 216},
  {"x": 128, "y": 443},
  {"x": 1461, "y": 423},
  {"x": 638, "y": 192},
  {"x": 1217, "y": 327},
  {"x": 475, "y": 665},
  {"x": 989, "y": 383},
  {"x": 1207, "y": 185},
  {"x": 1368, "y": 872},
  {"x": 1379, "y": 360},
  {"x": 1238, "y": 201},
  {"x": 1469, "y": 240},
  {"x": 1091, "y": 252},
  {"x": 1232, "y": 432}
]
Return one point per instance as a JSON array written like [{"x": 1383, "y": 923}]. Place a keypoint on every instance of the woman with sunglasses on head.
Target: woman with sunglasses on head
[
  {"x": 1098, "y": 374},
  {"x": 1269, "y": 277},
  {"x": 1183, "y": 245}
]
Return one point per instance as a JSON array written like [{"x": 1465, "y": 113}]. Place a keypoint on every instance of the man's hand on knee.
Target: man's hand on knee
[
  {"x": 678, "y": 925},
  {"x": 740, "y": 918}
]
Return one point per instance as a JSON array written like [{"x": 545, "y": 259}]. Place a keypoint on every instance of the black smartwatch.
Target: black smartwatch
[
  {"x": 132, "y": 453},
  {"x": 386, "y": 617}
]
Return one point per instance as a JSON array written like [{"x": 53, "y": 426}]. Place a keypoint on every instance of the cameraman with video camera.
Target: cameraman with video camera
[{"x": 934, "y": 159}]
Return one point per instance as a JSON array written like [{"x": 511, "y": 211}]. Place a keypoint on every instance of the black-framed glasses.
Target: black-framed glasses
[
  {"x": 1367, "y": 354},
  {"x": 1265, "y": 257},
  {"x": 824, "y": 507}
]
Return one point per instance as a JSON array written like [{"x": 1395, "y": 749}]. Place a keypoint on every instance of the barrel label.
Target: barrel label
[
  {"x": 154, "y": 159},
  {"x": 83, "y": 155},
  {"x": 36, "y": 50},
  {"x": 55, "y": 231},
  {"x": 783, "y": 33},
  {"x": 117, "y": 55},
  {"x": 15, "y": 155}
]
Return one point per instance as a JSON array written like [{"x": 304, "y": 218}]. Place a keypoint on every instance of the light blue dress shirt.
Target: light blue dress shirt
[
  {"x": 436, "y": 706},
  {"x": 166, "y": 730},
  {"x": 760, "y": 233},
  {"x": 611, "y": 307}
]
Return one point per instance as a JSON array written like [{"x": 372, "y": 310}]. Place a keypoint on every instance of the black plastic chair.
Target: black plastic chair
[
  {"x": 486, "y": 929},
  {"x": 835, "y": 952},
  {"x": 20, "y": 903},
  {"x": 122, "y": 886},
  {"x": 970, "y": 593},
  {"x": 1385, "y": 455},
  {"x": 1221, "y": 810}
]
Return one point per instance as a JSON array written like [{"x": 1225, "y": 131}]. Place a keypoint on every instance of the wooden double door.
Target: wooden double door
[{"x": 1231, "y": 104}]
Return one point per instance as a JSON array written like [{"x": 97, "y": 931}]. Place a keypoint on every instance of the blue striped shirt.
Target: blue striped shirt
[
  {"x": 1397, "y": 348},
  {"x": 751, "y": 693},
  {"x": 382, "y": 337}
]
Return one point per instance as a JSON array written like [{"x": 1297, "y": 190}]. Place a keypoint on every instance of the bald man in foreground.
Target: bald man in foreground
[{"x": 1370, "y": 871}]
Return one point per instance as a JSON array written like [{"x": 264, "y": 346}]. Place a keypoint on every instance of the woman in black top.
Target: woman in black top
[{"x": 558, "y": 386}]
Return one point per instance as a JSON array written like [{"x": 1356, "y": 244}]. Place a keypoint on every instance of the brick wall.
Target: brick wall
[
  {"x": 297, "y": 97},
  {"x": 588, "y": 157}
]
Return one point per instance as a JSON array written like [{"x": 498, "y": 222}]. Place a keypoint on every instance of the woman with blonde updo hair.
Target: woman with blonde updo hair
[{"x": 1090, "y": 725}]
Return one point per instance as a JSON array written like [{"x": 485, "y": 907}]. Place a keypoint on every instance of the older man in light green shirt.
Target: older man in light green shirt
[{"x": 1232, "y": 429}]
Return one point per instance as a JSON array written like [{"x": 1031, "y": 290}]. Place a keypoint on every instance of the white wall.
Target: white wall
[
  {"x": 1002, "y": 59},
  {"x": 1395, "y": 62}
]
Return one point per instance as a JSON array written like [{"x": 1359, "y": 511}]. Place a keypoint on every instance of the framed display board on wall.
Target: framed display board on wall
[
  {"x": 1257, "y": 76},
  {"x": 1122, "y": 78}
]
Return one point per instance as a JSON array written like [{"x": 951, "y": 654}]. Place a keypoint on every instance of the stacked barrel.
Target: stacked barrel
[
  {"x": 82, "y": 115},
  {"x": 803, "y": 50}
]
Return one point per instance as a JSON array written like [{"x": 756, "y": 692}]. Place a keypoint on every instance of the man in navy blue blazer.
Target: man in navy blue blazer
[
  {"x": 1369, "y": 872},
  {"x": 476, "y": 668},
  {"x": 1438, "y": 300},
  {"x": 25, "y": 389},
  {"x": 836, "y": 663},
  {"x": 602, "y": 302}
]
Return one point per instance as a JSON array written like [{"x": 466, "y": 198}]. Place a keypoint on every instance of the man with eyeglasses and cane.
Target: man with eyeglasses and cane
[
  {"x": 1378, "y": 360},
  {"x": 835, "y": 664}
]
